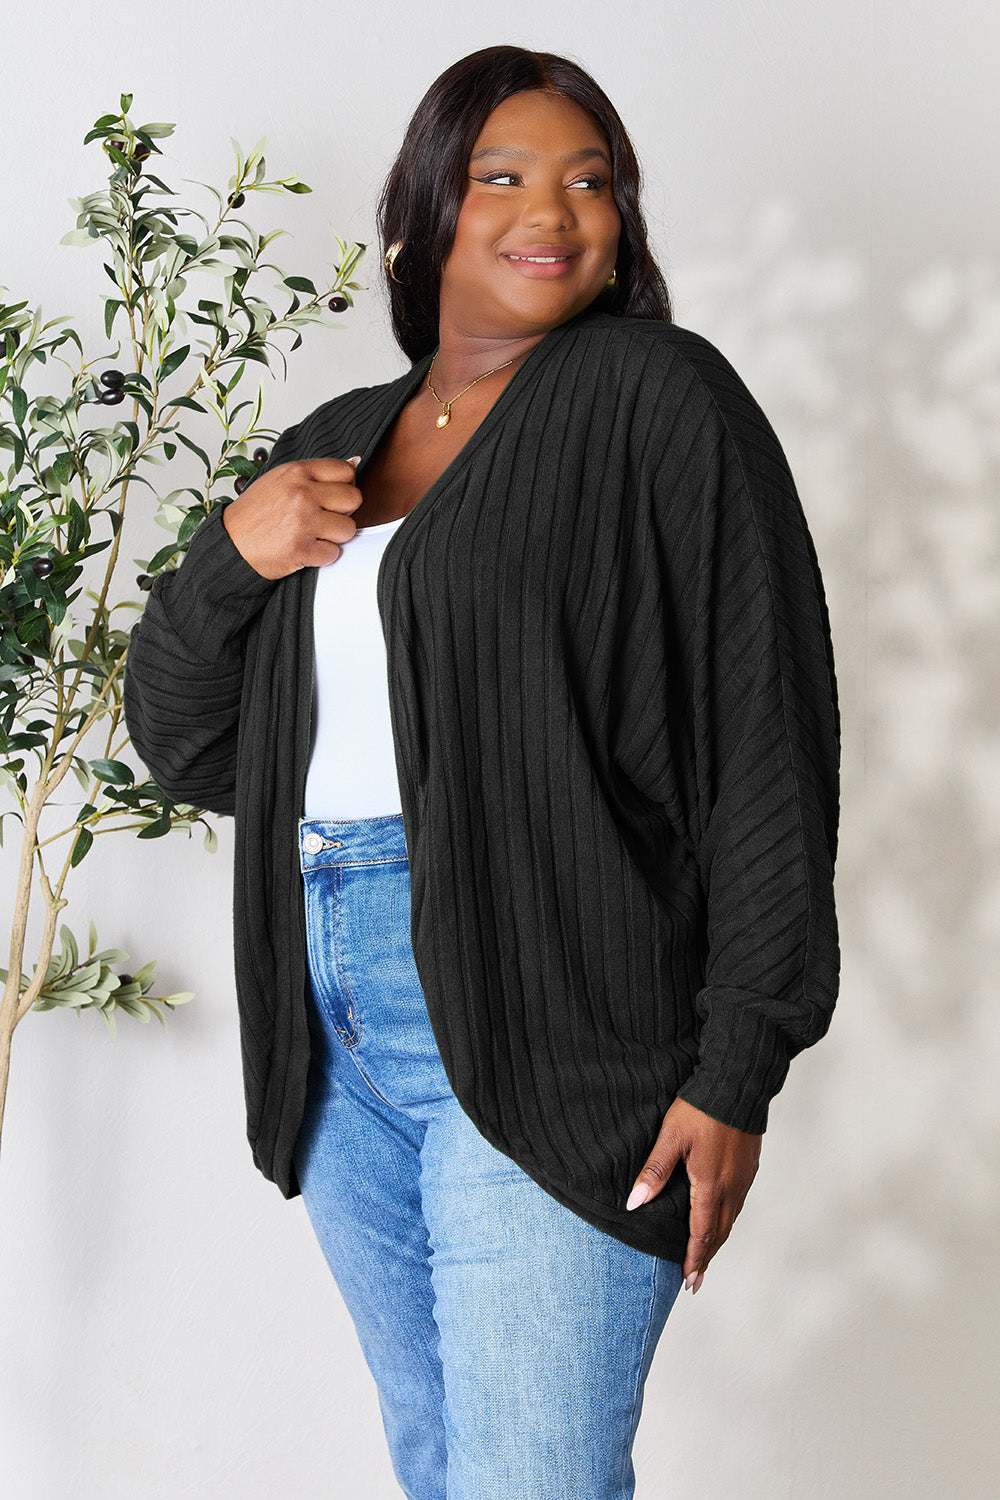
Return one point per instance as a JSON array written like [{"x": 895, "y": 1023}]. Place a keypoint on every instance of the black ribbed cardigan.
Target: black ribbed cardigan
[{"x": 616, "y": 730}]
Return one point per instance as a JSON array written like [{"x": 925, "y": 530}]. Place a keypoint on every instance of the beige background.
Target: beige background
[{"x": 822, "y": 195}]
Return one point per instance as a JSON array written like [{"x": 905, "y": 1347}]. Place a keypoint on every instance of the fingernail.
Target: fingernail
[
  {"x": 355, "y": 460},
  {"x": 697, "y": 1279},
  {"x": 638, "y": 1195},
  {"x": 690, "y": 1281}
]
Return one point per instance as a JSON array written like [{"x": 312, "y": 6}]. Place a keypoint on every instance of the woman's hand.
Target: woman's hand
[
  {"x": 295, "y": 516},
  {"x": 721, "y": 1163}
]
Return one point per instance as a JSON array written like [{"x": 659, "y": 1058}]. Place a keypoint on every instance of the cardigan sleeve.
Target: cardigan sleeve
[
  {"x": 184, "y": 671},
  {"x": 761, "y": 729}
]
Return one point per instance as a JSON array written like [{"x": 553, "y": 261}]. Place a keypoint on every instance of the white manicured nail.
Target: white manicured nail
[{"x": 638, "y": 1195}]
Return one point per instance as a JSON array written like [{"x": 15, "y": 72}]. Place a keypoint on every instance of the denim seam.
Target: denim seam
[
  {"x": 339, "y": 822},
  {"x": 377, "y": 1092},
  {"x": 352, "y": 1039},
  {"x": 350, "y": 864},
  {"x": 633, "y": 1420},
  {"x": 311, "y": 940}
]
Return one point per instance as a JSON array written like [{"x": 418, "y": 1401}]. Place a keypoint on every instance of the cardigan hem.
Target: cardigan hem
[{"x": 667, "y": 1239}]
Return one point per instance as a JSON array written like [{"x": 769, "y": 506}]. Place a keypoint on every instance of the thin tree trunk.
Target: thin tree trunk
[{"x": 14, "y": 1005}]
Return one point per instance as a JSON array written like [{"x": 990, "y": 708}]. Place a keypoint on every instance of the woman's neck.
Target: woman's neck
[{"x": 459, "y": 361}]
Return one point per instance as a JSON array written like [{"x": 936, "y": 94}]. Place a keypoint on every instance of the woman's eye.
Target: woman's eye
[{"x": 588, "y": 181}]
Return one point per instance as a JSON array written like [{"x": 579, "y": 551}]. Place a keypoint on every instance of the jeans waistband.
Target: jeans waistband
[{"x": 351, "y": 841}]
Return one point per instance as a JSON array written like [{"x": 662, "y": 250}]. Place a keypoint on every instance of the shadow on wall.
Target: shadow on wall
[{"x": 887, "y": 402}]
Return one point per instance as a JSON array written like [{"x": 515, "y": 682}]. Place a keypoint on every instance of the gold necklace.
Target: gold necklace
[{"x": 446, "y": 406}]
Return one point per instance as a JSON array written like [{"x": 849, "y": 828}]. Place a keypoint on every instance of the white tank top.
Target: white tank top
[{"x": 352, "y": 767}]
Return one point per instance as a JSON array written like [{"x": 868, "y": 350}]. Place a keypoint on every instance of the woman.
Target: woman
[{"x": 527, "y": 715}]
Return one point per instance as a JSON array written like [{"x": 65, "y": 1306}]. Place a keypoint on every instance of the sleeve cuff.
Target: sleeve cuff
[{"x": 744, "y": 1059}]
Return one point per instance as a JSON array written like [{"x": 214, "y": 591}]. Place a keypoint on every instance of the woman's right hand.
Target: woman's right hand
[{"x": 295, "y": 516}]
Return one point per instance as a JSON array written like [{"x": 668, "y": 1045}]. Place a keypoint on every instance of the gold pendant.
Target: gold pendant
[{"x": 445, "y": 417}]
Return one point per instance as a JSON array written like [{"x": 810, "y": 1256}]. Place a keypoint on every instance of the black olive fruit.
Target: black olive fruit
[
  {"x": 241, "y": 484},
  {"x": 42, "y": 567},
  {"x": 13, "y": 335},
  {"x": 237, "y": 200},
  {"x": 260, "y": 455},
  {"x": 114, "y": 379},
  {"x": 111, "y": 398},
  {"x": 139, "y": 154},
  {"x": 338, "y": 304},
  {"x": 124, "y": 979},
  {"x": 144, "y": 582}
]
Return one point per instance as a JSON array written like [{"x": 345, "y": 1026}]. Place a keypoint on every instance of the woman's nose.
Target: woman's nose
[{"x": 548, "y": 208}]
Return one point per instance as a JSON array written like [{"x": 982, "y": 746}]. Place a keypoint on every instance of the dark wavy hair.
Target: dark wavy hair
[{"x": 425, "y": 187}]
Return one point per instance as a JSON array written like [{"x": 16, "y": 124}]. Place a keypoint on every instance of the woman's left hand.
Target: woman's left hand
[{"x": 721, "y": 1163}]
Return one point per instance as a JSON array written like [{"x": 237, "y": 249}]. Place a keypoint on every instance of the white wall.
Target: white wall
[{"x": 824, "y": 204}]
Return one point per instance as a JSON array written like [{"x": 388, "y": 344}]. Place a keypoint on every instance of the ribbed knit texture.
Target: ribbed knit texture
[{"x": 615, "y": 723}]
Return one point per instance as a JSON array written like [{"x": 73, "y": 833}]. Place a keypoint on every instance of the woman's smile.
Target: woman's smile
[{"x": 541, "y": 260}]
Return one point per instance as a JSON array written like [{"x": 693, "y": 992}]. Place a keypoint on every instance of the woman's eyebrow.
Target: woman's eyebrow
[{"x": 519, "y": 154}]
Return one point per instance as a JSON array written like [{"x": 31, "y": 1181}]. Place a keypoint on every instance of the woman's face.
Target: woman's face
[{"x": 539, "y": 186}]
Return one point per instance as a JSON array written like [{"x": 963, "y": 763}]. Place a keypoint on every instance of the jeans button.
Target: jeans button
[{"x": 312, "y": 843}]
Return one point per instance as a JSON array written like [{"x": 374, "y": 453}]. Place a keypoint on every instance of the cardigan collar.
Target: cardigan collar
[{"x": 400, "y": 391}]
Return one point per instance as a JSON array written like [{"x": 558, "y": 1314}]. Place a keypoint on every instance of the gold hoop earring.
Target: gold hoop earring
[
  {"x": 611, "y": 282},
  {"x": 390, "y": 259}
]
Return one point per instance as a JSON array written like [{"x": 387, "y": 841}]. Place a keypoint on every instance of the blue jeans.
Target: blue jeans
[{"x": 509, "y": 1339}]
